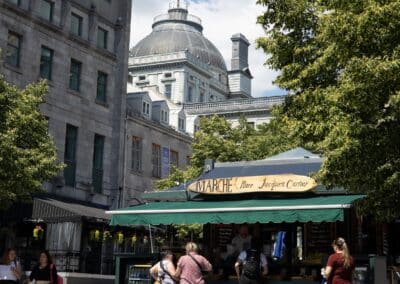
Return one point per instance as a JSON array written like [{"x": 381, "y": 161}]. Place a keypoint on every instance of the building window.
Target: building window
[
  {"x": 16, "y": 2},
  {"x": 174, "y": 158},
  {"x": 168, "y": 75},
  {"x": 181, "y": 124},
  {"x": 75, "y": 75},
  {"x": 167, "y": 91},
  {"x": 142, "y": 78},
  {"x": 97, "y": 170},
  {"x": 156, "y": 160},
  {"x": 164, "y": 116},
  {"x": 13, "y": 49},
  {"x": 136, "y": 154},
  {"x": 46, "y": 62},
  {"x": 190, "y": 94},
  {"x": 76, "y": 24},
  {"x": 130, "y": 79},
  {"x": 251, "y": 124},
  {"x": 102, "y": 35},
  {"x": 146, "y": 108},
  {"x": 101, "y": 87},
  {"x": 46, "y": 10},
  {"x": 201, "y": 98},
  {"x": 71, "y": 138}
]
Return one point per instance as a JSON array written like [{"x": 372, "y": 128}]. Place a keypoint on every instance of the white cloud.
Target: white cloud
[{"x": 221, "y": 19}]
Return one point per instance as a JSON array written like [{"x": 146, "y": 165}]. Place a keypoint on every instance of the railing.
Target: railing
[
  {"x": 194, "y": 19},
  {"x": 229, "y": 105},
  {"x": 166, "y": 17}
]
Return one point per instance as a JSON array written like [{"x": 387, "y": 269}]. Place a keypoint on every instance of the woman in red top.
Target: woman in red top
[{"x": 340, "y": 266}]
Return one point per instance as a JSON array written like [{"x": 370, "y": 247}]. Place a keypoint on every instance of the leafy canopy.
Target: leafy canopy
[
  {"x": 27, "y": 153},
  {"x": 218, "y": 140},
  {"x": 340, "y": 63}
]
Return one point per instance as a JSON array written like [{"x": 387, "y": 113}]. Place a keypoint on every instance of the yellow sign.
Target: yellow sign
[{"x": 251, "y": 184}]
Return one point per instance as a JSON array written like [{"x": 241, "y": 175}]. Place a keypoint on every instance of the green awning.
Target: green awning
[{"x": 306, "y": 209}]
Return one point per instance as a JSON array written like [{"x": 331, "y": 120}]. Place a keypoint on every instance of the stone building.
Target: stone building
[
  {"x": 81, "y": 49},
  {"x": 180, "y": 64},
  {"x": 153, "y": 147}
]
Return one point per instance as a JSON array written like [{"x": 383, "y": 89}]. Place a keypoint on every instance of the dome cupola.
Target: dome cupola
[{"x": 179, "y": 31}]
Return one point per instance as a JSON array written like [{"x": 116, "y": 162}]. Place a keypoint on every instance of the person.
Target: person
[
  {"x": 242, "y": 240},
  {"x": 10, "y": 268},
  {"x": 253, "y": 264},
  {"x": 164, "y": 270},
  {"x": 340, "y": 266},
  {"x": 45, "y": 272},
  {"x": 239, "y": 243},
  {"x": 191, "y": 266}
]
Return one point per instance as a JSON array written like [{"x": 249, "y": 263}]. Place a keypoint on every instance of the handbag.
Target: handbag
[{"x": 60, "y": 280}]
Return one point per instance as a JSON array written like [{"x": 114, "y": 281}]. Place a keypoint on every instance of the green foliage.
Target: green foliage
[
  {"x": 340, "y": 63},
  {"x": 218, "y": 140},
  {"x": 27, "y": 153},
  {"x": 192, "y": 231},
  {"x": 177, "y": 177}
]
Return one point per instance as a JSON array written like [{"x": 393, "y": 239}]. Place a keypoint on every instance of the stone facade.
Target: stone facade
[
  {"x": 145, "y": 136},
  {"x": 80, "y": 41}
]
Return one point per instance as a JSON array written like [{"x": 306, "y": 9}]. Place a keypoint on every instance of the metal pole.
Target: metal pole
[{"x": 151, "y": 240}]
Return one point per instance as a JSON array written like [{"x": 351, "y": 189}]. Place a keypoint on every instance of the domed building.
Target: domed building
[
  {"x": 177, "y": 63},
  {"x": 176, "y": 76}
]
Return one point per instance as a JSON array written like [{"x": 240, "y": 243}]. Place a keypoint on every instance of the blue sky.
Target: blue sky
[{"x": 221, "y": 19}]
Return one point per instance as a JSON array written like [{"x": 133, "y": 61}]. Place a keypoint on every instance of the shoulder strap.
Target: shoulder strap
[
  {"x": 165, "y": 270},
  {"x": 198, "y": 264}
]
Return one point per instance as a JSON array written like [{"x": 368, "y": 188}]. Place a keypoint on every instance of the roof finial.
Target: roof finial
[{"x": 178, "y": 4}]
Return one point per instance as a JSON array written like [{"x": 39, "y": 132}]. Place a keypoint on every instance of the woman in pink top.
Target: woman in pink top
[{"x": 191, "y": 266}]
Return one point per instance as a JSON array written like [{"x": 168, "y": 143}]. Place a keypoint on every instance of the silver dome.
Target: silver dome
[{"x": 178, "y": 31}]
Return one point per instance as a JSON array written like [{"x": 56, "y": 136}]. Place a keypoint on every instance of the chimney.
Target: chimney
[
  {"x": 208, "y": 165},
  {"x": 240, "y": 52}
]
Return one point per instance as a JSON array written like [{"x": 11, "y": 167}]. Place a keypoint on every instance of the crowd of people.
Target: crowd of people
[{"x": 251, "y": 265}]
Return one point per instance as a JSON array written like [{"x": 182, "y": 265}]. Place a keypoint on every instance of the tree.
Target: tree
[
  {"x": 218, "y": 140},
  {"x": 27, "y": 153},
  {"x": 340, "y": 63}
]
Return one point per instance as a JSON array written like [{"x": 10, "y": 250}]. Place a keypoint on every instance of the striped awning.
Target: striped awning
[{"x": 52, "y": 211}]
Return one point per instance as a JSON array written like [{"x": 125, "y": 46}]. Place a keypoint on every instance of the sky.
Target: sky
[{"x": 221, "y": 19}]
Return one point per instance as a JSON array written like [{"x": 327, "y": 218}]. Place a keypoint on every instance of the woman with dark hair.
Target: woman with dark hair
[
  {"x": 10, "y": 268},
  {"x": 340, "y": 266},
  {"x": 45, "y": 272},
  {"x": 164, "y": 270}
]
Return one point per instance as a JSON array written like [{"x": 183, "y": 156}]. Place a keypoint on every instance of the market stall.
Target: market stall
[{"x": 295, "y": 218}]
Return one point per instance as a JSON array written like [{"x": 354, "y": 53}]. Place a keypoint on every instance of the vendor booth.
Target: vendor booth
[{"x": 295, "y": 219}]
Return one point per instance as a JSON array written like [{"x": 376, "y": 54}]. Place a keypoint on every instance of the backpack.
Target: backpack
[{"x": 251, "y": 266}]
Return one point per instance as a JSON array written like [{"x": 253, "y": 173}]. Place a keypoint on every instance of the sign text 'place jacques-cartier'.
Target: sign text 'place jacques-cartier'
[{"x": 268, "y": 183}]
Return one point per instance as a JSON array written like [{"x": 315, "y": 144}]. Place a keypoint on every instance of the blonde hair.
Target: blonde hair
[
  {"x": 340, "y": 243},
  {"x": 191, "y": 247}
]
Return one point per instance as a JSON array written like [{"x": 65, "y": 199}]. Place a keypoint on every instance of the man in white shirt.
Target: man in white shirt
[{"x": 242, "y": 240}]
